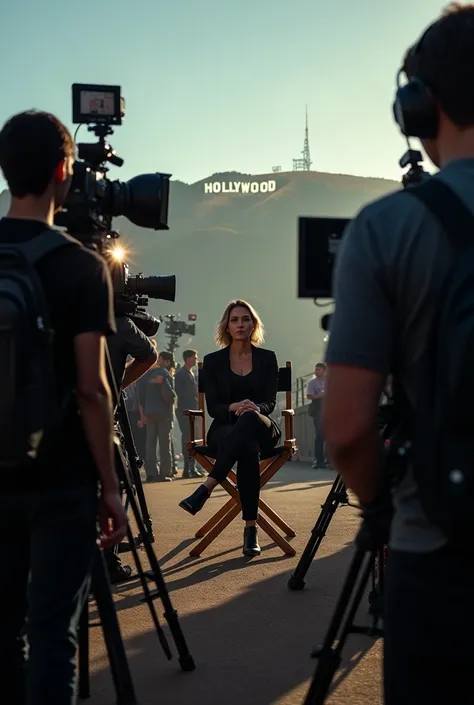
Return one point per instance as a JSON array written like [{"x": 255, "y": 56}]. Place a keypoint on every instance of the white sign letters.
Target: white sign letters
[{"x": 240, "y": 187}]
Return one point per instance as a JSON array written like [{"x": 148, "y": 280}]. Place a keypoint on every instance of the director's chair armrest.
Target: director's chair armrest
[
  {"x": 192, "y": 415},
  {"x": 288, "y": 414}
]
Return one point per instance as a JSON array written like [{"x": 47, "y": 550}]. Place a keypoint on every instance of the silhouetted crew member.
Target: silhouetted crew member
[{"x": 49, "y": 509}]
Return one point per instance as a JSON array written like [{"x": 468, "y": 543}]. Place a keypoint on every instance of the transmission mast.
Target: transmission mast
[{"x": 304, "y": 163}]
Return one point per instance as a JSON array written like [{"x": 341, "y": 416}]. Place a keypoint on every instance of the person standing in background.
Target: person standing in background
[
  {"x": 168, "y": 361},
  {"x": 187, "y": 392},
  {"x": 156, "y": 401},
  {"x": 315, "y": 392}
]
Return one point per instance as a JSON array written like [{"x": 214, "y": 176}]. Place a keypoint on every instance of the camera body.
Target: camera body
[
  {"x": 93, "y": 201},
  {"x": 319, "y": 238},
  {"x": 175, "y": 329}
]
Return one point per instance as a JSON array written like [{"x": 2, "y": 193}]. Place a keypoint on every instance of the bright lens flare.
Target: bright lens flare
[{"x": 118, "y": 254}]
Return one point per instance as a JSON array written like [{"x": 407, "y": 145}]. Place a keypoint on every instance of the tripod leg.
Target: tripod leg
[
  {"x": 378, "y": 584},
  {"x": 148, "y": 597},
  {"x": 124, "y": 423},
  {"x": 185, "y": 659},
  {"x": 336, "y": 495},
  {"x": 329, "y": 656},
  {"x": 113, "y": 639},
  {"x": 84, "y": 689}
]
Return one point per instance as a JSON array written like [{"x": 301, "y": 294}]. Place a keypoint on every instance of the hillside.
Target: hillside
[{"x": 234, "y": 244}]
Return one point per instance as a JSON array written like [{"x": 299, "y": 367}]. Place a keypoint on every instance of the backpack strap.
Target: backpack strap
[
  {"x": 44, "y": 244},
  {"x": 454, "y": 216}
]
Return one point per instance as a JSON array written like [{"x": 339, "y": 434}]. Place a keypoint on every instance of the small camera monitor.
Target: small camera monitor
[
  {"x": 318, "y": 242},
  {"x": 97, "y": 104}
]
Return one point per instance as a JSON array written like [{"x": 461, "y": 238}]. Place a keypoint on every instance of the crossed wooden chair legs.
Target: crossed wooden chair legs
[{"x": 223, "y": 517}]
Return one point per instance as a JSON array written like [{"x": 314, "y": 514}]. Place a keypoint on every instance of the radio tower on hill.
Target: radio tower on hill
[{"x": 304, "y": 163}]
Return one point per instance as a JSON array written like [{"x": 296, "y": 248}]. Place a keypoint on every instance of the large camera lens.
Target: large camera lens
[
  {"x": 154, "y": 287},
  {"x": 143, "y": 200}
]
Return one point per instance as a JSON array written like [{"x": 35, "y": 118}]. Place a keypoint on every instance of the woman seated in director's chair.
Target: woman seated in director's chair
[{"x": 240, "y": 385}]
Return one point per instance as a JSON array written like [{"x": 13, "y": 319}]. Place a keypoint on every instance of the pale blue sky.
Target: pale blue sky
[{"x": 216, "y": 85}]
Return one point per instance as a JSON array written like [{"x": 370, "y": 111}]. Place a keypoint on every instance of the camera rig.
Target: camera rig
[
  {"x": 93, "y": 201},
  {"x": 175, "y": 329},
  {"x": 319, "y": 239}
]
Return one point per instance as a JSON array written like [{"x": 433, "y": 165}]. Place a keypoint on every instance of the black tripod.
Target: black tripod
[
  {"x": 368, "y": 560},
  {"x": 133, "y": 465},
  {"x": 337, "y": 495},
  {"x": 105, "y": 606}
]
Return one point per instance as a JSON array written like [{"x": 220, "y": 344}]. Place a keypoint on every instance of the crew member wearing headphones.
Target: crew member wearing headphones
[{"x": 390, "y": 270}]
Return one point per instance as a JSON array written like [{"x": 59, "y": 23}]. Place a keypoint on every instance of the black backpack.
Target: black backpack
[
  {"x": 29, "y": 403},
  {"x": 443, "y": 423}
]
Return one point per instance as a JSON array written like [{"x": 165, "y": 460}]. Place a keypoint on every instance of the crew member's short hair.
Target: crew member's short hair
[
  {"x": 32, "y": 144},
  {"x": 169, "y": 357},
  {"x": 189, "y": 353},
  {"x": 444, "y": 61}
]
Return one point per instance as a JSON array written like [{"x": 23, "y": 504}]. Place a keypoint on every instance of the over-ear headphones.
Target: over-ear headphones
[{"x": 415, "y": 109}]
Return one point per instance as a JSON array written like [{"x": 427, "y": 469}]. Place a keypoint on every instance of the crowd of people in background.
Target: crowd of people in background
[
  {"x": 162, "y": 394},
  {"x": 165, "y": 392}
]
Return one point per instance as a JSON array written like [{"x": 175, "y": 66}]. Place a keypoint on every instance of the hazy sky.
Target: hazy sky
[{"x": 216, "y": 85}]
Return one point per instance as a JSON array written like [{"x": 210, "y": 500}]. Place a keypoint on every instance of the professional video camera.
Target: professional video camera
[
  {"x": 93, "y": 201},
  {"x": 175, "y": 329},
  {"x": 319, "y": 240}
]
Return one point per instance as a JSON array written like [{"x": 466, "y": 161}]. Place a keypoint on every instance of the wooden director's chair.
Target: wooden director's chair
[{"x": 268, "y": 467}]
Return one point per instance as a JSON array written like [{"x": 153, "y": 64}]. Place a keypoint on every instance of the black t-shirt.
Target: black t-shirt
[
  {"x": 78, "y": 291},
  {"x": 242, "y": 386}
]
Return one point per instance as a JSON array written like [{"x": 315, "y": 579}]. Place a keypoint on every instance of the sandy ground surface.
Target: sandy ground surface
[{"x": 250, "y": 636}]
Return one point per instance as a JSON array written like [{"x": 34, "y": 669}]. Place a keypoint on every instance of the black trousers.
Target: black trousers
[
  {"x": 242, "y": 443},
  {"x": 139, "y": 434},
  {"x": 183, "y": 421},
  {"x": 319, "y": 444},
  {"x": 429, "y": 622},
  {"x": 47, "y": 547}
]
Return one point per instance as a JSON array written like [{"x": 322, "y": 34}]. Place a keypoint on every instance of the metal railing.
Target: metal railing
[{"x": 299, "y": 390}]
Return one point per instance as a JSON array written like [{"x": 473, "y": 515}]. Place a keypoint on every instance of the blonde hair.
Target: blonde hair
[{"x": 223, "y": 337}]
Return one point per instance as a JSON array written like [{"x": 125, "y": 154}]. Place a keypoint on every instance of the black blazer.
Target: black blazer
[{"x": 217, "y": 383}]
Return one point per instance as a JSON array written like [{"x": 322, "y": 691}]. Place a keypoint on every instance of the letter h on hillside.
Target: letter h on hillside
[{"x": 268, "y": 467}]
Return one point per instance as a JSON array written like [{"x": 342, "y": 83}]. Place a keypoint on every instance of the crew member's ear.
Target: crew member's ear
[{"x": 60, "y": 173}]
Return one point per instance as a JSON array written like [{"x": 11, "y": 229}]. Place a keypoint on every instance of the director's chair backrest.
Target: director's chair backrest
[{"x": 285, "y": 384}]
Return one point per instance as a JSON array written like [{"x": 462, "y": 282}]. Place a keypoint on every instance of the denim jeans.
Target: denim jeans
[
  {"x": 429, "y": 621},
  {"x": 47, "y": 545},
  {"x": 158, "y": 430}
]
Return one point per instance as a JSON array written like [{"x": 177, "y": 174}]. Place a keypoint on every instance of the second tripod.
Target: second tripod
[
  {"x": 337, "y": 495},
  {"x": 366, "y": 562}
]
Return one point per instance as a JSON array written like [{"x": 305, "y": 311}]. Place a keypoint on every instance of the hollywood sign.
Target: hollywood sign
[{"x": 240, "y": 187}]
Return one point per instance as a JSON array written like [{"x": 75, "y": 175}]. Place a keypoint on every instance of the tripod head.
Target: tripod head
[
  {"x": 98, "y": 154},
  {"x": 415, "y": 174}
]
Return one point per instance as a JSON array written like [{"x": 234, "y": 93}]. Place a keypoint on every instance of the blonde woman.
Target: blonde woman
[{"x": 240, "y": 386}]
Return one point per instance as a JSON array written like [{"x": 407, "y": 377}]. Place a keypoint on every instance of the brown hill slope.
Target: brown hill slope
[{"x": 225, "y": 245}]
